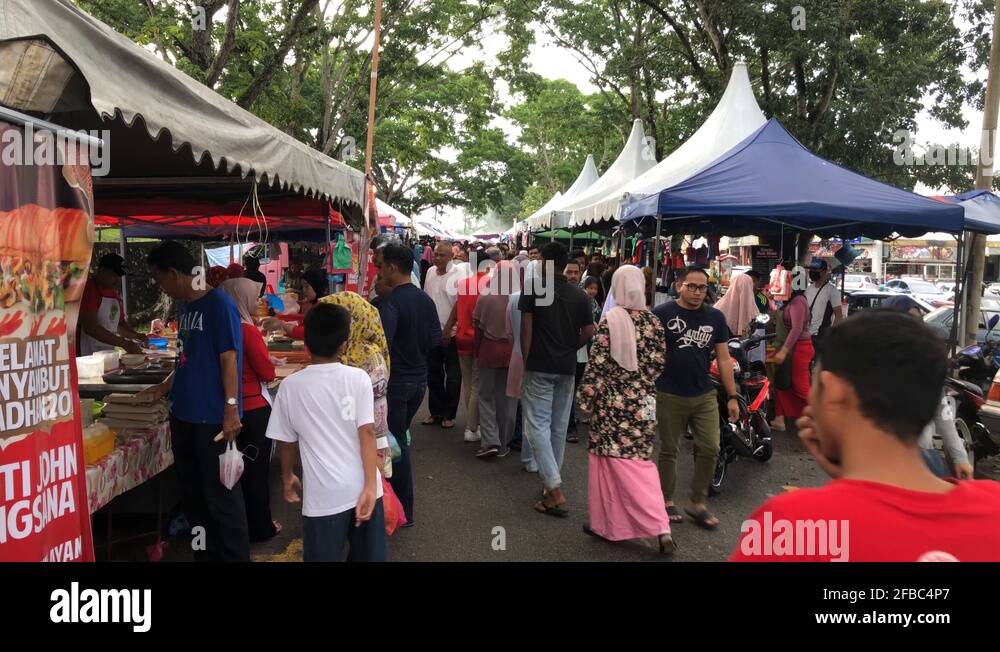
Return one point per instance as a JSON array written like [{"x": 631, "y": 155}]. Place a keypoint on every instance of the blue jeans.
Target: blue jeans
[
  {"x": 546, "y": 402},
  {"x": 403, "y": 400},
  {"x": 324, "y": 537}
]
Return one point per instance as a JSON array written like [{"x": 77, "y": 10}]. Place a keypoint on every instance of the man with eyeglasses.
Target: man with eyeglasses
[{"x": 684, "y": 393}]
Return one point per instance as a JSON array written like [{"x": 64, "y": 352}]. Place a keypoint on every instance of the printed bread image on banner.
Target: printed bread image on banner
[{"x": 46, "y": 237}]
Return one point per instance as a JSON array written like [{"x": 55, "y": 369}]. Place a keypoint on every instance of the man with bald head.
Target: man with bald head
[{"x": 444, "y": 375}]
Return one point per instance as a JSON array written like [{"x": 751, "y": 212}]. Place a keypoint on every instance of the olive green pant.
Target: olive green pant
[{"x": 673, "y": 416}]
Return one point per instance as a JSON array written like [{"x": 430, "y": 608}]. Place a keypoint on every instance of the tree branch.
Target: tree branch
[
  {"x": 270, "y": 66},
  {"x": 682, "y": 36},
  {"x": 222, "y": 58}
]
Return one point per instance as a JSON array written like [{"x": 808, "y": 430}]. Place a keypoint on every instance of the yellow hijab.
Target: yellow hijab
[{"x": 366, "y": 337}]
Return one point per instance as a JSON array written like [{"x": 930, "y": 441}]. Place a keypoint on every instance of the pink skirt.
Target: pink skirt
[{"x": 624, "y": 499}]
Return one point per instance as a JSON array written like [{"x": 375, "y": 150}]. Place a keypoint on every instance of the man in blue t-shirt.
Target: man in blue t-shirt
[
  {"x": 685, "y": 396},
  {"x": 204, "y": 400},
  {"x": 412, "y": 329}
]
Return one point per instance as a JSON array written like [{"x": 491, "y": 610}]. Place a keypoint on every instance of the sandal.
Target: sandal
[
  {"x": 675, "y": 514},
  {"x": 702, "y": 518},
  {"x": 429, "y": 421},
  {"x": 550, "y": 510},
  {"x": 450, "y": 424},
  {"x": 667, "y": 545}
]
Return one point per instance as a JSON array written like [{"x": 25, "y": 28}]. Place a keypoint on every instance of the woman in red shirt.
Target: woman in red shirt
[
  {"x": 258, "y": 371},
  {"x": 791, "y": 401}
]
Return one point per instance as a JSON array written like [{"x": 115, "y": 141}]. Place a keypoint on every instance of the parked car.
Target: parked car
[
  {"x": 940, "y": 320},
  {"x": 874, "y": 298},
  {"x": 948, "y": 287},
  {"x": 992, "y": 290},
  {"x": 858, "y": 283},
  {"x": 921, "y": 289}
]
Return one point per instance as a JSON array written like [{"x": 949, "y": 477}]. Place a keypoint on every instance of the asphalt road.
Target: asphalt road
[{"x": 462, "y": 500}]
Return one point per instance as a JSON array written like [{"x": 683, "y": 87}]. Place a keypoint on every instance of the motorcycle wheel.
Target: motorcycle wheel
[
  {"x": 719, "y": 477},
  {"x": 966, "y": 434},
  {"x": 763, "y": 429}
]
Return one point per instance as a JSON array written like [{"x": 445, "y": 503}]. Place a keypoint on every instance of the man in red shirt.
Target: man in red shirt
[
  {"x": 102, "y": 325},
  {"x": 465, "y": 337},
  {"x": 877, "y": 383}
]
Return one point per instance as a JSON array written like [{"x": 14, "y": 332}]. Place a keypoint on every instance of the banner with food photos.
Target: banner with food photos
[{"x": 46, "y": 238}]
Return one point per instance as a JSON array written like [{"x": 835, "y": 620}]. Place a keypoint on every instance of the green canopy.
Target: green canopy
[{"x": 562, "y": 234}]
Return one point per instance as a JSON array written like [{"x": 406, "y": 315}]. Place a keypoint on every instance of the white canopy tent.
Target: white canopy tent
[
  {"x": 635, "y": 159},
  {"x": 385, "y": 209},
  {"x": 735, "y": 118},
  {"x": 542, "y": 218},
  {"x": 546, "y": 209}
]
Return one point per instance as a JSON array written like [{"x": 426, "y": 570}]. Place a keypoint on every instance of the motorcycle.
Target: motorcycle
[
  {"x": 976, "y": 365},
  {"x": 750, "y": 435}
]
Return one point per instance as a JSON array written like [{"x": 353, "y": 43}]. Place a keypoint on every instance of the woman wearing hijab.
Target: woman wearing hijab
[
  {"x": 739, "y": 306},
  {"x": 316, "y": 286},
  {"x": 792, "y": 399},
  {"x": 216, "y": 275},
  {"x": 619, "y": 386},
  {"x": 258, "y": 371},
  {"x": 367, "y": 350},
  {"x": 494, "y": 344}
]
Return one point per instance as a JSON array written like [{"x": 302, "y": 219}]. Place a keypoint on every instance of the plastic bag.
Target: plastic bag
[
  {"x": 230, "y": 466},
  {"x": 392, "y": 508},
  {"x": 342, "y": 255},
  {"x": 396, "y": 451}
]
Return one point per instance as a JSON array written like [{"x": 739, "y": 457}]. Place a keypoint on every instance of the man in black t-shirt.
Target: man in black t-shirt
[
  {"x": 684, "y": 392},
  {"x": 556, "y": 321}
]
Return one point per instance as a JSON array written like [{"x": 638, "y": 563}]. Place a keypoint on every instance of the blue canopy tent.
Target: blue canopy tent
[{"x": 771, "y": 179}]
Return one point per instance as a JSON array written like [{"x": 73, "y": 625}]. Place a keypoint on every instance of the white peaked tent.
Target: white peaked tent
[
  {"x": 544, "y": 210},
  {"x": 635, "y": 159},
  {"x": 385, "y": 209},
  {"x": 735, "y": 118},
  {"x": 542, "y": 218}
]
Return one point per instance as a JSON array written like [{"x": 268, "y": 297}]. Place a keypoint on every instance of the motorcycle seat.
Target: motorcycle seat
[{"x": 971, "y": 387}]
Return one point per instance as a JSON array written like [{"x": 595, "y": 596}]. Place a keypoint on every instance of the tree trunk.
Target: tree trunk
[{"x": 984, "y": 179}]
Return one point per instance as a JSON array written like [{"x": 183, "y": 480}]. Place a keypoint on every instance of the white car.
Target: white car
[
  {"x": 859, "y": 283},
  {"x": 921, "y": 289},
  {"x": 992, "y": 290},
  {"x": 948, "y": 287}
]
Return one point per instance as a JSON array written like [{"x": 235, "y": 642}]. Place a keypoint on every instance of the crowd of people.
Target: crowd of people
[{"x": 532, "y": 343}]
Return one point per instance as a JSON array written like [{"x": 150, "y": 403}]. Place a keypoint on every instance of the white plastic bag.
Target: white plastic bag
[{"x": 230, "y": 466}]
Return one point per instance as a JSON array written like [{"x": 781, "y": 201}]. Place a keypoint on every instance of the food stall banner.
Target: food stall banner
[{"x": 46, "y": 237}]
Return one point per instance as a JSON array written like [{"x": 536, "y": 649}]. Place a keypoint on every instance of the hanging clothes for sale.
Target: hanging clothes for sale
[
  {"x": 781, "y": 284},
  {"x": 714, "y": 240},
  {"x": 701, "y": 256}
]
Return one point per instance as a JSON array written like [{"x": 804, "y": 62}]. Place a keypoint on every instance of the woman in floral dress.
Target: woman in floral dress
[{"x": 624, "y": 497}]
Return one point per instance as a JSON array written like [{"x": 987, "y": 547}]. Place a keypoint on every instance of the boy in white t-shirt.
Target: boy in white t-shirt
[{"x": 327, "y": 412}]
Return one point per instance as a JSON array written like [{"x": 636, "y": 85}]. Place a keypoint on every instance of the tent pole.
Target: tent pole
[
  {"x": 960, "y": 290},
  {"x": 122, "y": 243},
  {"x": 656, "y": 255},
  {"x": 329, "y": 250},
  {"x": 572, "y": 232}
]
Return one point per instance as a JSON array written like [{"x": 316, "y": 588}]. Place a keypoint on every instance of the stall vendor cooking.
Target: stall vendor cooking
[
  {"x": 317, "y": 286},
  {"x": 102, "y": 324}
]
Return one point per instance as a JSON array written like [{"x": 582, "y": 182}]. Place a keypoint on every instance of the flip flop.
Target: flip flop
[
  {"x": 429, "y": 421},
  {"x": 675, "y": 514},
  {"x": 447, "y": 427},
  {"x": 550, "y": 510},
  {"x": 701, "y": 518}
]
